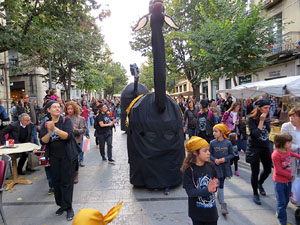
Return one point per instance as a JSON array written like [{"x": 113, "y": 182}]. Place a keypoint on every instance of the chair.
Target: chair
[{"x": 4, "y": 164}]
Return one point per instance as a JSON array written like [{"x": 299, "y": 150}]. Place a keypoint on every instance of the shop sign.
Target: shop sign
[
  {"x": 245, "y": 79},
  {"x": 274, "y": 73}
]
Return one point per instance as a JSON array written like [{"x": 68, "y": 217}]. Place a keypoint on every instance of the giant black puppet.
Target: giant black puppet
[
  {"x": 130, "y": 92},
  {"x": 155, "y": 138}
]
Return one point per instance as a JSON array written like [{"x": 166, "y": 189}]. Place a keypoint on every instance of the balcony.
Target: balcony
[
  {"x": 288, "y": 43},
  {"x": 268, "y": 4}
]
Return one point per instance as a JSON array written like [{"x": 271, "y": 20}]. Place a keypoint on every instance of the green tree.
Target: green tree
[
  {"x": 115, "y": 78},
  {"x": 27, "y": 22},
  {"x": 232, "y": 38}
]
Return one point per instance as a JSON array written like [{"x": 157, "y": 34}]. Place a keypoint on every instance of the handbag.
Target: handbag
[
  {"x": 33, "y": 160},
  {"x": 86, "y": 144}
]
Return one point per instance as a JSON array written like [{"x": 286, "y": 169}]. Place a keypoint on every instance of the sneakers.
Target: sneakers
[
  {"x": 70, "y": 214},
  {"x": 237, "y": 173},
  {"x": 111, "y": 161},
  {"x": 103, "y": 158},
  {"x": 256, "y": 199},
  {"x": 224, "y": 209},
  {"x": 51, "y": 191},
  {"x": 261, "y": 190},
  {"x": 81, "y": 164},
  {"x": 59, "y": 212}
]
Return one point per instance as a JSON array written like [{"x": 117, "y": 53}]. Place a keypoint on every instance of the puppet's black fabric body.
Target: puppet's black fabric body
[
  {"x": 155, "y": 140},
  {"x": 128, "y": 94},
  {"x": 155, "y": 143}
]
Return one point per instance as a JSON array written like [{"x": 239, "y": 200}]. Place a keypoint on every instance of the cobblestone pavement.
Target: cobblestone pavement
[{"x": 102, "y": 186}]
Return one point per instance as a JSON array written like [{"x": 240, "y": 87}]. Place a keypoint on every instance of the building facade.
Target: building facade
[{"x": 285, "y": 52}]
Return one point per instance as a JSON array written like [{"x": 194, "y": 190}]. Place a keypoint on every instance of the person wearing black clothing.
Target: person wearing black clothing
[
  {"x": 181, "y": 104},
  {"x": 205, "y": 122},
  {"x": 21, "y": 132},
  {"x": 228, "y": 103},
  {"x": 190, "y": 118},
  {"x": 103, "y": 132},
  {"x": 258, "y": 147},
  {"x": 56, "y": 135},
  {"x": 200, "y": 182},
  {"x": 25, "y": 106}
]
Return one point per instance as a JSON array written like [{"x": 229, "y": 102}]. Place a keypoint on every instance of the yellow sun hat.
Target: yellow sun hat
[
  {"x": 195, "y": 143},
  {"x": 223, "y": 128},
  {"x": 95, "y": 217}
]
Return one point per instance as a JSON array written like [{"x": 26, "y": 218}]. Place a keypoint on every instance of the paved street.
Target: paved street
[{"x": 102, "y": 186}]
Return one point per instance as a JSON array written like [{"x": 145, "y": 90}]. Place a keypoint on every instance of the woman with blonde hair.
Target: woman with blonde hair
[{"x": 72, "y": 110}]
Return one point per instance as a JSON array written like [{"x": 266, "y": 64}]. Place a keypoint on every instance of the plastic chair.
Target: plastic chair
[{"x": 4, "y": 164}]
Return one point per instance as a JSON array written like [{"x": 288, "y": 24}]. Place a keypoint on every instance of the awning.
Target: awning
[{"x": 275, "y": 87}]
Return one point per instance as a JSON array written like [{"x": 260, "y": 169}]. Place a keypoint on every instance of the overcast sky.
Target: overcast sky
[{"x": 117, "y": 29}]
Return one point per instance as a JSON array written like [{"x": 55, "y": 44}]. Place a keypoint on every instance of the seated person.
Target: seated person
[{"x": 21, "y": 132}]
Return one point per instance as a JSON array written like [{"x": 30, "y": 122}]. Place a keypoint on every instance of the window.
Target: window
[
  {"x": 180, "y": 88},
  {"x": 184, "y": 87},
  {"x": 205, "y": 89},
  {"x": 176, "y": 89},
  {"x": 228, "y": 84},
  {"x": 214, "y": 88}
]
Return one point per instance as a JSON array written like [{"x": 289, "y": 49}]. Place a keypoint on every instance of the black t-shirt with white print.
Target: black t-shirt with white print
[{"x": 202, "y": 205}]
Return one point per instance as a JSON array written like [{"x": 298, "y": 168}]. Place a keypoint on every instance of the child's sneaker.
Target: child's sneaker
[
  {"x": 224, "y": 209},
  {"x": 237, "y": 173}
]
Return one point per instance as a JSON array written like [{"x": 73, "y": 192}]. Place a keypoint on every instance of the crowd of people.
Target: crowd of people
[
  {"x": 59, "y": 128},
  {"x": 217, "y": 132}
]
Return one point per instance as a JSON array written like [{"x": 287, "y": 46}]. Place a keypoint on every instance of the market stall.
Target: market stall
[{"x": 287, "y": 88}]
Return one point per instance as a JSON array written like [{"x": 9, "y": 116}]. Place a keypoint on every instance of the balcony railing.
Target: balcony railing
[
  {"x": 270, "y": 3},
  {"x": 288, "y": 42}
]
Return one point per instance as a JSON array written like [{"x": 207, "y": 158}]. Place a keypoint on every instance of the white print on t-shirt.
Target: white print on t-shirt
[
  {"x": 202, "y": 123},
  {"x": 221, "y": 149},
  {"x": 106, "y": 120},
  {"x": 205, "y": 201},
  {"x": 264, "y": 134}
]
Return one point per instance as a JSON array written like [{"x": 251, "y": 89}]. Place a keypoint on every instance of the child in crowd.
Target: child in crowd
[
  {"x": 282, "y": 173},
  {"x": 200, "y": 182},
  {"x": 235, "y": 150},
  {"x": 221, "y": 154}
]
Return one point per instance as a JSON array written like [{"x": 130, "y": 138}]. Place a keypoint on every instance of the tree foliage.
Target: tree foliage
[
  {"x": 231, "y": 37},
  {"x": 65, "y": 32},
  {"x": 114, "y": 78},
  {"x": 217, "y": 37}
]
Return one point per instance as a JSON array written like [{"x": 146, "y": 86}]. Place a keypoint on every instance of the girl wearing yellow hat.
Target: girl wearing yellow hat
[
  {"x": 221, "y": 153},
  {"x": 200, "y": 182}
]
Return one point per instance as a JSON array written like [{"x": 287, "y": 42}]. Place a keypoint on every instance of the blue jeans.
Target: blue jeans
[
  {"x": 221, "y": 182},
  {"x": 191, "y": 132},
  {"x": 34, "y": 134},
  {"x": 282, "y": 192},
  {"x": 80, "y": 157},
  {"x": 48, "y": 175},
  {"x": 91, "y": 120},
  {"x": 87, "y": 132}
]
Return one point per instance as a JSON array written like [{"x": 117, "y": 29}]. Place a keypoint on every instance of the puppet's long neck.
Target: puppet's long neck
[{"x": 159, "y": 61}]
